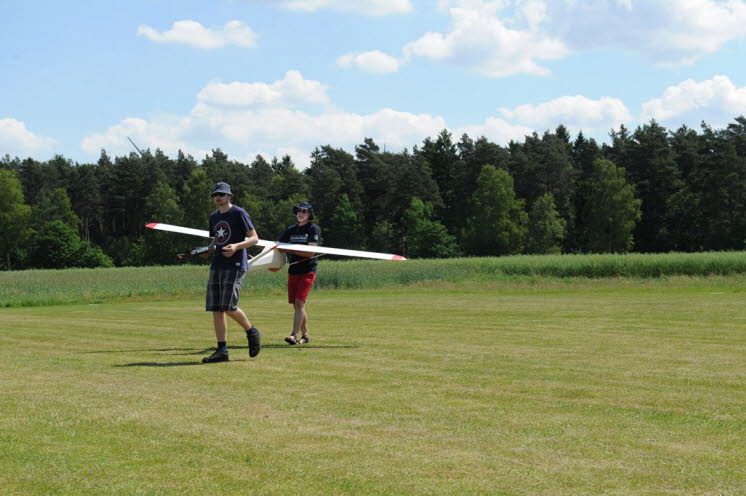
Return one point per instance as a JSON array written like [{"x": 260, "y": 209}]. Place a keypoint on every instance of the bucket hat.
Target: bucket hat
[
  {"x": 304, "y": 206},
  {"x": 222, "y": 188}
]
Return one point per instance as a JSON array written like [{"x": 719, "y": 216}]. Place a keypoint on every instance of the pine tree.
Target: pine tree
[
  {"x": 195, "y": 201},
  {"x": 160, "y": 248},
  {"x": 344, "y": 229},
  {"x": 442, "y": 157},
  {"x": 333, "y": 172},
  {"x": 655, "y": 176},
  {"x": 55, "y": 205}
]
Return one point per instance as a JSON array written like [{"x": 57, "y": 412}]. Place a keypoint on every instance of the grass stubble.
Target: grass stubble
[{"x": 611, "y": 386}]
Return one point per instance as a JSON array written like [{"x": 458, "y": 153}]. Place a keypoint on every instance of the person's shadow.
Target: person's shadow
[
  {"x": 204, "y": 351},
  {"x": 157, "y": 364}
]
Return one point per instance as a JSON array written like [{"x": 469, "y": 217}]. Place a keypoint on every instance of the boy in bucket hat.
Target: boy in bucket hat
[
  {"x": 233, "y": 232},
  {"x": 301, "y": 270}
]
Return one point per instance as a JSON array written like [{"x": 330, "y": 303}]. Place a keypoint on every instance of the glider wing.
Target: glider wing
[
  {"x": 338, "y": 251},
  {"x": 195, "y": 232},
  {"x": 285, "y": 246}
]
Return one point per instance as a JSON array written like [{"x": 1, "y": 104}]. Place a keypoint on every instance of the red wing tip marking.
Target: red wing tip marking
[
  {"x": 398, "y": 257},
  {"x": 151, "y": 225}
]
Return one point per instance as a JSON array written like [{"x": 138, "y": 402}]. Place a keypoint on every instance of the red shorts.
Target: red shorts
[{"x": 299, "y": 285}]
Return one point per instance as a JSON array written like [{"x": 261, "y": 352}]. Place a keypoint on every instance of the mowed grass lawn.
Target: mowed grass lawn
[{"x": 579, "y": 387}]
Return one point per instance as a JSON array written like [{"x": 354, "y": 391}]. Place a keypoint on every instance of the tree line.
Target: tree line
[{"x": 647, "y": 190}]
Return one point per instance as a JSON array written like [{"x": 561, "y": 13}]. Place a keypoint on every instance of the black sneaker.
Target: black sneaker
[
  {"x": 254, "y": 337},
  {"x": 218, "y": 356}
]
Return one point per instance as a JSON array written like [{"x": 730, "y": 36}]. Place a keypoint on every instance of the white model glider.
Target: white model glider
[{"x": 271, "y": 257}]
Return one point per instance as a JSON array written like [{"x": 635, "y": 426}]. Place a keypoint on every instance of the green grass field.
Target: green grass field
[
  {"x": 63, "y": 287},
  {"x": 561, "y": 387}
]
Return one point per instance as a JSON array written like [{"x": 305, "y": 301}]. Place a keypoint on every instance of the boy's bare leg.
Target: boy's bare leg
[
  {"x": 240, "y": 318},
  {"x": 221, "y": 328}
]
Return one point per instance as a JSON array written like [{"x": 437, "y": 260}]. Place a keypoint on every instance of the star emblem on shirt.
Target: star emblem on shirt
[{"x": 220, "y": 232}]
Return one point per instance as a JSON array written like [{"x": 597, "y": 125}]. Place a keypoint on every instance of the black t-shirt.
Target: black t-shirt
[
  {"x": 229, "y": 228},
  {"x": 301, "y": 235}
]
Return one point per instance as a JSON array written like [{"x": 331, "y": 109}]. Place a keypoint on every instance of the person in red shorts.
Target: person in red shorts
[{"x": 301, "y": 269}]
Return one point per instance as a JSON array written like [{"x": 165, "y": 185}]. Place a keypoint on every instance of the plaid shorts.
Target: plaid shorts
[{"x": 223, "y": 289}]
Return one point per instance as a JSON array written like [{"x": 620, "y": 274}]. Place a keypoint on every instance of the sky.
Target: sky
[{"x": 282, "y": 77}]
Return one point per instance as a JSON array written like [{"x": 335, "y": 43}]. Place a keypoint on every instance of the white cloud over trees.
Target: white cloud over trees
[
  {"x": 244, "y": 117},
  {"x": 716, "y": 101},
  {"x": 17, "y": 140},
  {"x": 576, "y": 112}
]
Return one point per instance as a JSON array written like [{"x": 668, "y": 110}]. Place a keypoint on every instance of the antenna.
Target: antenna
[{"x": 136, "y": 148}]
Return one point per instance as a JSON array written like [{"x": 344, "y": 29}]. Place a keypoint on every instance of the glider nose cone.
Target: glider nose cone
[{"x": 398, "y": 257}]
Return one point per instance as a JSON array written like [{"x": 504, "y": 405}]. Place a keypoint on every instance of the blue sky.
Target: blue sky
[{"x": 277, "y": 77}]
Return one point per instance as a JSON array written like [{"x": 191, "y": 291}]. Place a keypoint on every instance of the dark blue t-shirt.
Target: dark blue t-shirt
[
  {"x": 301, "y": 235},
  {"x": 229, "y": 228}
]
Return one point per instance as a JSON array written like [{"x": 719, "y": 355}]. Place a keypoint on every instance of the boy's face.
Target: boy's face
[{"x": 221, "y": 199}]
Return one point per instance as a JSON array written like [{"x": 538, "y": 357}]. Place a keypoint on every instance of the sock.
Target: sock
[
  {"x": 222, "y": 346},
  {"x": 251, "y": 330}
]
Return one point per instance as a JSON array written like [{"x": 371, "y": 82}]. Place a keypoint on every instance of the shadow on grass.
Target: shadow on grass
[
  {"x": 158, "y": 364},
  {"x": 202, "y": 351},
  {"x": 208, "y": 350},
  {"x": 304, "y": 346},
  {"x": 149, "y": 350},
  {"x": 271, "y": 347}
]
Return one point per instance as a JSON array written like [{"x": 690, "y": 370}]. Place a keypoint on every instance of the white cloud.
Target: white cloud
[
  {"x": 575, "y": 112},
  {"x": 193, "y": 33},
  {"x": 367, "y": 7},
  {"x": 283, "y": 117},
  {"x": 292, "y": 90},
  {"x": 278, "y": 129},
  {"x": 375, "y": 62},
  {"x": 298, "y": 91},
  {"x": 238, "y": 93},
  {"x": 165, "y": 133},
  {"x": 666, "y": 31},
  {"x": 241, "y": 117},
  {"x": 17, "y": 140},
  {"x": 496, "y": 130},
  {"x": 716, "y": 101},
  {"x": 500, "y": 38},
  {"x": 480, "y": 40}
]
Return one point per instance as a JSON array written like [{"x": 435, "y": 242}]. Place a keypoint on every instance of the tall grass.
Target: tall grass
[
  {"x": 53, "y": 287},
  {"x": 359, "y": 273}
]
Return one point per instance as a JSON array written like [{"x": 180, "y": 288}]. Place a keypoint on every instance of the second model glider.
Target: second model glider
[{"x": 271, "y": 257}]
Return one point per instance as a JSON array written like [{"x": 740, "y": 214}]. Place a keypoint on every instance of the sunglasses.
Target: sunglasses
[
  {"x": 218, "y": 194},
  {"x": 302, "y": 211}
]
